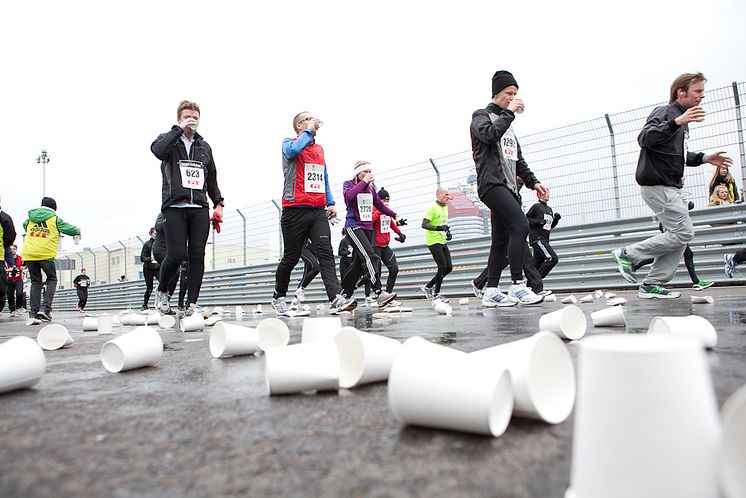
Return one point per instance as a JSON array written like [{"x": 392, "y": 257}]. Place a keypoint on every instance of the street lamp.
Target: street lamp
[{"x": 43, "y": 159}]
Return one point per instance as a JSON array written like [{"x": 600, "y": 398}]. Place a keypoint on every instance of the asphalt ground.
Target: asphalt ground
[{"x": 195, "y": 426}]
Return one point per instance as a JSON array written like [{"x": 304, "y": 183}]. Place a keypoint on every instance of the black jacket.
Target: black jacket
[
  {"x": 662, "y": 158},
  {"x": 537, "y": 220},
  {"x": 487, "y": 151},
  {"x": 146, "y": 254},
  {"x": 169, "y": 148},
  {"x": 159, "y": 246},
  {"x": 9, "y": 231}
]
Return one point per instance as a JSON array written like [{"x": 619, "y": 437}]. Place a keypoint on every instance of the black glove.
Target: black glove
[
  {"x": 401, "y": 238},
  {"x": 401, "y": 222},
  {"x": 557, "y": 216},
  {"x": 448, "y": 235},
  {"x": 443, "y": 228}
]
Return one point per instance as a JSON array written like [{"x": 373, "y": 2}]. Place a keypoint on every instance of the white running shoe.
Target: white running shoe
[
  {"x": 300, "y": 294},
  {"x": 492, "y": 297},
  {"x": 429, "y": 292},
  {"x": 521, "y": 294},
  {"x": 476, "y": 290}
]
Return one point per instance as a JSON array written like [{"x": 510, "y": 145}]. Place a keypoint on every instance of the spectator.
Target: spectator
[
  {"x": 722, "y": 176},
  {"x": 720, "y": 196}
]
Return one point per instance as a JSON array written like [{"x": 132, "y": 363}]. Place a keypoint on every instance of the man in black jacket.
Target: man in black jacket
[
  {"x": 660, "y": 169},
  {"x": 81, "y": 284},
  {"x": 150, "y": 267},
  {"x": 8, "y": 236},
  {"x": 541, "y": 220}
]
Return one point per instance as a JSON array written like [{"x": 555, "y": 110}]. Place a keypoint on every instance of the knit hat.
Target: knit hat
[
  {"x": 50, "y": 203},
  {"x": 384, "y": 194},
  {"x": 501, "y": 80}
]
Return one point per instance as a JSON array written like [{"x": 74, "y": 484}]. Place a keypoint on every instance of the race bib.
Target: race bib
[
  {"x": 365, "y": 206},
  {"x": 385, "y": 224},
  {"x": 313, "y": 180},
  {"x": 548, "y": 218},
  {"x": 509, "y": 145},
  {"x": 192, "y": 175},
  {"x": 83, "y": 283}
]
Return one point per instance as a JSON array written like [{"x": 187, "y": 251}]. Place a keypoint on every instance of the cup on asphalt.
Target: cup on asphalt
[
  {"x": 167, "y": 321},
  {"x": 90, "y": 324},
  {"x": 320, "y": 329},
  {"x": 568, "y": 322},
  {"x": 22, "y": 363},
  {"x": 646, "y": 422},
  {"x": 192, "y": 323},
  {"x": 702, "y": 300},
  {"x": 239, "y": 312},
  {"x": 551, "y": 298},
  {"x": 542, "y": 374},
  {"x": 587, "y": 298},
  {"x": 613, "y": 316},
  {"x": 105, "y": 324},
  {"x": 227, "y": 339},
  {"x": 364, "y": 357},
  {"x": 308, "y": 366},
  {"x": 694, "y": 326},
  {"x": 733, "y": 451},
  {"x": 464, "y": 301},
  {"x": 436, "y": 386},
  {"x": 273, "y": 333},
  {"x": 142, "y": 347},
  {"x": 212, "y": 320},
  {"x": 442, "y": 308},
  {"x": 569, "y": 300},
  {"x": 54, "y": 336}
]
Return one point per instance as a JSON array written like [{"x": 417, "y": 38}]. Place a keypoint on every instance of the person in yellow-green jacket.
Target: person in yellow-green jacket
[
  {"x": 43, "y": 228},
  {"x": 436, "y": 238}
]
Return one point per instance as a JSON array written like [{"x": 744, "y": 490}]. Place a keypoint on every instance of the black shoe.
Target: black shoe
[
  {"x": 44, "y": 316},
  {"x": 144, "y": 307}
]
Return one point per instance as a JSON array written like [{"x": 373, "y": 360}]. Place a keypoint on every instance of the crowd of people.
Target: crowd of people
[{"x": 519, "y": 241}]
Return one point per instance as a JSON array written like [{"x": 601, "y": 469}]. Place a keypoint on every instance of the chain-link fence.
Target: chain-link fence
[{"x": 589, "y": 167}]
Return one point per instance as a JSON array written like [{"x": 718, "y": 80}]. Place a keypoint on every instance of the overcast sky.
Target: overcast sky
[{"x": 395, "y": 83}]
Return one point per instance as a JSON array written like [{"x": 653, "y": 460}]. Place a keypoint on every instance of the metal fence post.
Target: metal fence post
[
  {"x": 125, "y": 256},
  {"x": 279, "y": 212},
  {"x": 437, "y": 171},
  {"x": 82, "y": 262},
  {"x": 108, "y": 256},
  {"x": 614, "y": 170},
  {"x": 739, "y": 124},
  {"x": 244, "y": 234},
  {"x": 95, "y": 272}
]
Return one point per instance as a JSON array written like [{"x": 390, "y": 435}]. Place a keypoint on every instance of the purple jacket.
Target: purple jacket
[{"x": 350, "y": 189}]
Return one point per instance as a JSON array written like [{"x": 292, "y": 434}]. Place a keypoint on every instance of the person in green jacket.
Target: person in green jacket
[{"x": 43, "y": 228}]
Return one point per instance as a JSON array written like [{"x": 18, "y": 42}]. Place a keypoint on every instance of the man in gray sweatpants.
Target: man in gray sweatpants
[{"x": 660, "y": 171}]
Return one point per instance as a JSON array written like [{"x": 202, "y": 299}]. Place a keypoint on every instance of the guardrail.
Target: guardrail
[{"x": 583, "y": 251}]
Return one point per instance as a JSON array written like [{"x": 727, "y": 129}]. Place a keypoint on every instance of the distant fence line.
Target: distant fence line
[{"x": 589, "y": 167}]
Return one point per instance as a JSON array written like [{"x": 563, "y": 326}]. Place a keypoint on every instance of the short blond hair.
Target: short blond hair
[{"x": 186, "y": 104}]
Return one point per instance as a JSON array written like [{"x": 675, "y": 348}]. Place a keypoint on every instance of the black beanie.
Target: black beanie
[
  {"x": 383, "y": 194},
  {"x": 50, "y": 203},
  {"x": 500, "y": 80}
]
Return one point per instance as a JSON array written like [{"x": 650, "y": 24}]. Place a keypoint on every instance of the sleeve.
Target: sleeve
[
  {"x": 25, "y": 224},
  {"x": 658, "y": 129},
  {"x": 9, "y": 230},
  {"x": 212, "y": 181},
  {"x": 428, "y": 219},
  {"x": 291, "y": 148},
  {"x": 394, "y": 227},
  {"x": 350, "y": 191},
  {"x": 329, "y": 197},
  {"x": 145, "y": 253},
  {"x": 488, "y": 131},
  {"x": 376, "y": 215},
  {"x": 522, "y": 170},
  {"x": 67, "y": 228},
  {"x": 735, "y": 191},
  {"x": 164, "y": 144},
  {"x": 535, "y": 217}
]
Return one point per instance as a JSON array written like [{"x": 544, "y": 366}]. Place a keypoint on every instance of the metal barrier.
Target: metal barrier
[{"x": 583, "y": 251}]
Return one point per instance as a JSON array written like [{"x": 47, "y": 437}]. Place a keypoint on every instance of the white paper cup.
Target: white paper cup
[
  {"x": 551, "y": 298},
  {"x": 587, "y": 299},
  {"x": 569, "y": 322},
  {"x": 616, "y": 301},
  {"x": 193, "y": 323},
  {"x": 142, "y": 347},
  {"x": 442, "y": 308},
  {"x": 90, "y": 324},
  {"x": 364, "y": 357},
  {"x": 464, "y": 301},
  {"x": 136, "y": 319},
  {"x": 239, "y": 312},
  {"x": 702, "y": 300},
  {"x": 217, "y": 310},
  {"x": 273, "y": 333},
  {"x": 167, "y": 321},
  {"x": 213, "y": 319},
  {"x": 54, "y": 336},
  {"x": 542, "y": 373},
  {"x": 693, "y": 326},
  {"x": 598, "y": 294},
  {"x": 613, "y": 316},
  {"x": 319, "y": 329},
  {"x": 569, "y": 300},
  {"x": 258, "y": 308},
  {"x": 22, "y": 363},
  {"x": 732, "y": 461},
  {"x": 105, "y": 324},
  {"x": 646, "y": 423},
  {"x": 437, "y": 386},
  {"x": 302, "y": 367},
  {"x": 233, "y": 340},
  {"x": 609, "y": 295}
]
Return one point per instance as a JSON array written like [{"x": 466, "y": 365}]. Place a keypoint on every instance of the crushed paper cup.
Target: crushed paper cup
[
  {"x": 613, "y": 316},
  {"x": 364, "y": 357},
  {"x": 54, "y": 336},
  {"x": 587, "y": 299},
  {"x": 733, "y": 449},
  {"x": 464, "y": 301},
  {"x": 142, "y": 347},
  {"x": 616, "y": 301},
  {"x": 542, "y": 373},
  {"x": 193, "y": 323},
  {"x": 217, "y": 310},
  {"x": 213, "y": 319},
  {"x": 301, "y": 313},
  {"x": 609, "y": 295},
  {"x": 167, "y": 321},
  {"x": 569, "y": 300},
  {"x": 694, "y": 326},
  {"x": 273, "y": 333},
  {"x": 302, "y": 367},
  {"x": 442, "y": 308},
  {"x": 22, "y": 363},
  {"x": 568, "y": 322},
  {"x": 646, "y": 422},
  {"x": 90, "y": 324},
  {"x": 702, "y": 300},
  {"x": 551, "y": 298},
  {"x": 598, "y": 294},
  {"x": 397, "y": 309},
  {"x": 436, "y": 386},
  {"x": 227, "y": 339},
  {"x": 320, "y": 329},
  {"x": 258, "y": 308}
]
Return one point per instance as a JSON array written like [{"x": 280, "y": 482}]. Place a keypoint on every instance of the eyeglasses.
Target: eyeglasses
[{"x": 307, "y": 118}]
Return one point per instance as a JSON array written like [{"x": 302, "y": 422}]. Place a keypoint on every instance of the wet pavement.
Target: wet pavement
[{"x": 197, "y": 426}]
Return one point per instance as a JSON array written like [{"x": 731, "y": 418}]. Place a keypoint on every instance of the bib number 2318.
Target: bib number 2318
[{"x": 192, "y": 175}]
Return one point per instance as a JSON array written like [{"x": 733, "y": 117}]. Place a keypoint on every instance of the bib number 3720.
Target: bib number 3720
[{"x": 192, "y": 175}]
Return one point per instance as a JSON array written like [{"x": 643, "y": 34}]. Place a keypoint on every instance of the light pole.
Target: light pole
[{"x": 43, "y": 159}]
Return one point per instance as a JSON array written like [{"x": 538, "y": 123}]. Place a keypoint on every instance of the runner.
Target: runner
[
  {"x": 361, "y": 197},
  {"x": 81, "y": 284},
  {"x": 189, "y": 177},
  {"x": 436, "y": 237},
  {"x": 384, "y": 225},
  {"x": 541, "y": 220},
  {"x": 150, "y": 267},
  {"x": 43, "y": 228},
  {"x": 16, "y": 297},
  {"x": 159, "y": 254},
  {"x": 8, "y": 237},
  {"x": 310, "y": 270}
]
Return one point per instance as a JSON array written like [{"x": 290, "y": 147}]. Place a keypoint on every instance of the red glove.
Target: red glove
[{"x": 216, "y": 221}]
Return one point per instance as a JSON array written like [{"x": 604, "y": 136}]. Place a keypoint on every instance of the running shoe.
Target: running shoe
[
  {"x": 161, "y": 303},
  {"x": 295, "y": 303},
  {"x": 300, "y": 294},
  {"x": 195, "y": 309},
  {"x": 442, "y": 298},
  {"x": 280, "y": 305},
  {"x": 494, "y": 298},
  {"x": 544, "y": 293},
  {"x": 521, "y": 294},
  {"x": 730, "y": 265},
  {"x": 656, "y": 292},
  {"x": 369, "y": 301},
  {"x": 44, "y": 316},
  {"x": 13, "y": 314},
  {"x": 342, "y": 303},
  {"x": 429, "y": 292},
  {"x": 624, "y": 265},
  {"x": 33, "y": 321},
  {"x": 478, "y": 293},
  {"x": 385, "y": 298},
  {"x": 144, "y": 307},
  {"x": 702, "y": 284}
]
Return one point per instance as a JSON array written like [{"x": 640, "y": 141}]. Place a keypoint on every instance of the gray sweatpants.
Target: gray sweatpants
[{"x": 668, "y": 247}]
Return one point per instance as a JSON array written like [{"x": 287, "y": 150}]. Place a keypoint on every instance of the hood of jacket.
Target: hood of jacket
[{"x": 37, "y": 215}]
